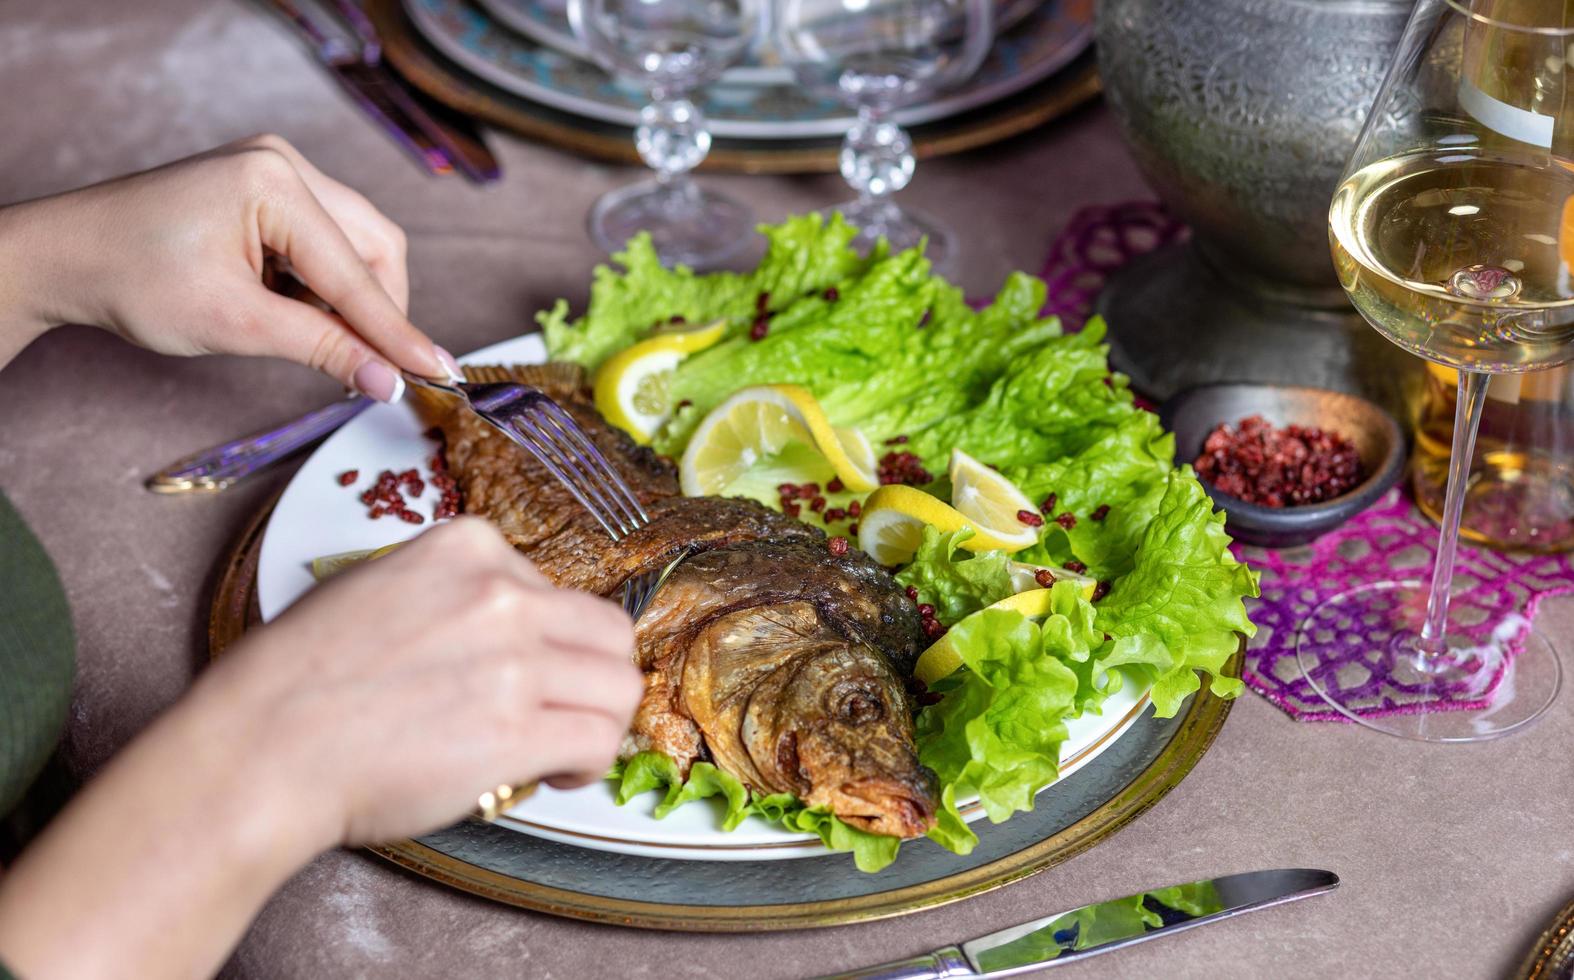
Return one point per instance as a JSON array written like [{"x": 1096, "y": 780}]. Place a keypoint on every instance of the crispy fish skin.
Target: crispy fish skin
[{"x": 764, "y": 652}]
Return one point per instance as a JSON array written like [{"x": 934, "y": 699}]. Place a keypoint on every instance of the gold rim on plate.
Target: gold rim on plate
[
  {"x": 1552, "y": 956},
  {"x": 235, "y": 610}
]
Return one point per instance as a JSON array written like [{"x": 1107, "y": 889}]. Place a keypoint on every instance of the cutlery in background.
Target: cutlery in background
[
  {"x": 1106, "y": 926},
  {"x": 438, "y": 147},
  {"x": 457, "y": 136}
]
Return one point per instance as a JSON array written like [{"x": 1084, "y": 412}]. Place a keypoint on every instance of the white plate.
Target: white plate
[{"x": 316, "y": 516}]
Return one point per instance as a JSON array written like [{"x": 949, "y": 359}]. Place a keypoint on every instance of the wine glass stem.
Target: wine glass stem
[
  {"x": 1467, "y": 419},
  {"x": 673, "y": 137},
  {"x": 877, "y": 156}
]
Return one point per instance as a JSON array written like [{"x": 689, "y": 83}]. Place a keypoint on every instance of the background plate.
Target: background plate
[
  {"x": 315, "y": 516},
  {"x": 546, "y": 22},
  {"x": 427, "y": 69},
  {"x": 1047, "y": 40}
]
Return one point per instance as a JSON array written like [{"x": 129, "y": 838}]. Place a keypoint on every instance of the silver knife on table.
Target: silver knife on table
[{"x": 1094, "y": 929}]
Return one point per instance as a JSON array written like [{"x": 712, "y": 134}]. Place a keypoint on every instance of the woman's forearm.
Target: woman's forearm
[
  {"x": 159, "y": 864},
  {"x": 25, "y": 286}
]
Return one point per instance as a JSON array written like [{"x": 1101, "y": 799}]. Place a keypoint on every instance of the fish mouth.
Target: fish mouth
[{"x": 902, "y": 807}]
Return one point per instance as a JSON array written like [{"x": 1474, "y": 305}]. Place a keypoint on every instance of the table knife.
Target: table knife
[
  {"x": 1093, "y": 929},
  {"x": 371, "y": 89},
  {"x": 458, "y": 137}
]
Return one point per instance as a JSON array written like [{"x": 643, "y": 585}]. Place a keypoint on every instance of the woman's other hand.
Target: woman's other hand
[{"x": 172, "y": 259}]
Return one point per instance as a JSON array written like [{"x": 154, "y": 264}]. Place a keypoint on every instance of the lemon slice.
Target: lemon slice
[
  {"x": 891, "y": 526},
  {"x": 631, "y": 387},
  {"x": 990, "y": 500},
  {"x": 942, "y": 659},
  {"x": 331, "y": 565},
  {"x": 1024, "y": 578},
  {"x": 758, "y": 422},
  {"x": 847, "y": 450}
]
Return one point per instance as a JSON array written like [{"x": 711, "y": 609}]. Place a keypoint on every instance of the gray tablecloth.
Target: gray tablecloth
[{"x": 1452, "y": 856}]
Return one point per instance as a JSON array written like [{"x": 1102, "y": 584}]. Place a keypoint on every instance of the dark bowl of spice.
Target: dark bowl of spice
[{"x": 1286, "y": 464}]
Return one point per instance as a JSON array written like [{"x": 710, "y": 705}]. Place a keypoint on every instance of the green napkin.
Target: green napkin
[{"x": 37, "y": 656}]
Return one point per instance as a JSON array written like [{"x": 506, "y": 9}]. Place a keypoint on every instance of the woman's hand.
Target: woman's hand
[
  {"x": 172, "y": 259},
  {"x": 380, "y": 706},
  {"x": 391, "y": 697}
]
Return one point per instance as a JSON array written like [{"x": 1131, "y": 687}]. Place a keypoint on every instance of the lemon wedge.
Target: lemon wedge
[
  {"x": 942, "y": 659},
  {"x": 331, "y": 565},
  {"x": 1024, "y": 578},
  {"x": 892, "y": 526},
  {"x": 631, "y": 386},
  {"x": 990, "y": 501},
  {"x": 759, "y": 422}
]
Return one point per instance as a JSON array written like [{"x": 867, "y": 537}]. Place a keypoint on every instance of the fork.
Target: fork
[{"x": 530, "y": 417}]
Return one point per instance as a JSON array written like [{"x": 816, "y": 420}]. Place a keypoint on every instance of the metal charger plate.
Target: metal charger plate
[
  {"x": 1087, "y": 808},
  {"x": 428, "y": 70},
  {"x": 1552, "y": 956}
]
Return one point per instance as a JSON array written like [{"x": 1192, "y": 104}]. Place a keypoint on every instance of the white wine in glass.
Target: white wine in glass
[{"x": 1452, "y": 234}]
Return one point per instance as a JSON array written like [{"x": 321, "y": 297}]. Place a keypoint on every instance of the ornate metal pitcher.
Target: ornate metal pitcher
[{"x": 1241, "y": 114}]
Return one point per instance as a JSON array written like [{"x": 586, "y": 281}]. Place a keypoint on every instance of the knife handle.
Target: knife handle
[
  {"x": 220, "y": 467},
  {"x": 939, "y": 965}
]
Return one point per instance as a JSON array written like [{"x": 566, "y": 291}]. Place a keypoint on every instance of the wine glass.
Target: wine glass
[
  {"x": 1453, "y": 233},
  {"x": 669, "y": 47},
  {"x": 879, "y": 55}
]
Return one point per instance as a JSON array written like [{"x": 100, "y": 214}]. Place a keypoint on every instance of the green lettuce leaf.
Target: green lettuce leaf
[
  {"x": 956, "y": 583},
  {"x": 1126, "y": 469},
  {"x": 871, "y": 852},
  {"x": 997, "y": 732},
  {"x": 803, "y": 254},
  {"x": 1181, "y": 606},
  {"x": 653, "y": 771},
  {"x": 1050, "y": 401}
]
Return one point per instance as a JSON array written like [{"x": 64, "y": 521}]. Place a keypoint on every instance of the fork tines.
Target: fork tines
[{"x": 561, "y": 445}]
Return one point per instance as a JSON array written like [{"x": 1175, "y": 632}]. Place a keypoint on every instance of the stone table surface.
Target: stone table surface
[{"x": 1452, "y": 857}]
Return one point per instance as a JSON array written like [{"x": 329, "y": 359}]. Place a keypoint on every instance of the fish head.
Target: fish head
[{"x": 840, "y": 731}]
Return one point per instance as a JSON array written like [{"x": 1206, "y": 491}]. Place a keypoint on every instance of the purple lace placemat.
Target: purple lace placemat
[{"x": 1496, "y": 594}]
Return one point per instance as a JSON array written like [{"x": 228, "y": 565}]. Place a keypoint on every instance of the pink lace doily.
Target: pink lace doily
[{"x": 1496, "y": 594}]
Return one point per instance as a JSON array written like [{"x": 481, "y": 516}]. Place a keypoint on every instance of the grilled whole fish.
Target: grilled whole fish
[{"x": 765, "y": 653}]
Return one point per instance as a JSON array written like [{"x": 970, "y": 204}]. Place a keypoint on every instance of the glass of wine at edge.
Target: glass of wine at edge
[{"x": 1453, "y": 233}]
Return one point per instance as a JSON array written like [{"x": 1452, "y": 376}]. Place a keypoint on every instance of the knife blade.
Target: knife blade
[
  {"x": 370, "y": 89},
  {"x": 1093, "y": 929},
  {"x": 458, "y": 137}
]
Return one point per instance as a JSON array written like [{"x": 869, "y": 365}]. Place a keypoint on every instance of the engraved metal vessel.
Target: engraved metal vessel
[{"x": 1241, "y": 114}]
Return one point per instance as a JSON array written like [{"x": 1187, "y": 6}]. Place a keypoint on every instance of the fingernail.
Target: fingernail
[
  {"x": 447, "y": 359},
  {"x": 375, "y": 379}
]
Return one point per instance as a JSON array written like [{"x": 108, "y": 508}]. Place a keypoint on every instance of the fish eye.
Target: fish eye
[{"x": 862, "y": 707}]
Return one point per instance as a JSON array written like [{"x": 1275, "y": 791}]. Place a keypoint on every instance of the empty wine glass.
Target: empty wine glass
[
  {"x": 877, "y": 56},
  {"x": 670, "y": 48}
]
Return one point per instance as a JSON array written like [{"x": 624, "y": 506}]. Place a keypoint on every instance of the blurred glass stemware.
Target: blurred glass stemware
[
  {"x": 669, "y": 48},
  {"x": 877, "y": 56}
]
